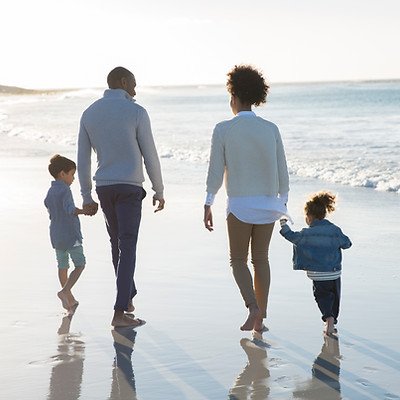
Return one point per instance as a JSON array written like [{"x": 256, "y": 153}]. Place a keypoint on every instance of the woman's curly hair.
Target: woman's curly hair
[
  {"x": 320, "y": 204},
  {"x": 248, "y": 84}
]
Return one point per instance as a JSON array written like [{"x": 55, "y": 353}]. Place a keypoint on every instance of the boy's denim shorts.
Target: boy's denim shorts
[{"x": 76, "y": 254}]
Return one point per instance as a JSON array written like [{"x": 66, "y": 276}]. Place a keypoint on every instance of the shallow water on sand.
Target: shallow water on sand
[{"x": 191, "y": 346}]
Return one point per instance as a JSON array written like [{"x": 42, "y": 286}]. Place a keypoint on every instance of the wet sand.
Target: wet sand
[{"x": 191, "y": 346}]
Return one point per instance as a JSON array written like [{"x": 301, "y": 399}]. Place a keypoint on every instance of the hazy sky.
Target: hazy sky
[{"x": 74, "y": 43}]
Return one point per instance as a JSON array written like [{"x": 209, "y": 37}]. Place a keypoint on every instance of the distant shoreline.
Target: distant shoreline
[{"x": 19, "y": 90}]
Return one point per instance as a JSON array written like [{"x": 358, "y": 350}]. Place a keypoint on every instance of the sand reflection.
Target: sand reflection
[
  {"x": 66, "y": 375},
  {"x": 324, "y": 383},
  {"x": 252, "y": 382},
  {"x": 123, "y": 379}
]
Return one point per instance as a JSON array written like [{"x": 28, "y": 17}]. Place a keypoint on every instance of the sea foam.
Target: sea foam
[{"x": 340, "y": 133}]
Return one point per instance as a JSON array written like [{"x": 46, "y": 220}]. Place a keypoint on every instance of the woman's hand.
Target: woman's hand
[{"x": 208, "y": 218}]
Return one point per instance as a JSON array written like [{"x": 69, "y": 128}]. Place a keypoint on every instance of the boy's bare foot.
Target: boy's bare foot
[
  {"x": 64, "y": 299},
  {"x": 329, "y": 325},
  {"x": 120, "y": 319},
  {"x": 74, "y": 307},
  {"x": 254, "y": 314}
]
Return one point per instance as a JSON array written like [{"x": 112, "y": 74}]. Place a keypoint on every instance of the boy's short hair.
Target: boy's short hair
[{"x": 59, "y": 163}]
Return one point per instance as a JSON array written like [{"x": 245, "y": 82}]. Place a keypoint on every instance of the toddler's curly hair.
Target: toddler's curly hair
[{"x": 320, "y": 204}]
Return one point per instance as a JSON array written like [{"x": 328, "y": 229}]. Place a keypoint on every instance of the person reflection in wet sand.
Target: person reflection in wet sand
[
  {"x": 66, "y": 375},
  {"x": 252, "y": 381},
  {"x": 123, "y": 379},
  {"x": 324, "y": 383}
]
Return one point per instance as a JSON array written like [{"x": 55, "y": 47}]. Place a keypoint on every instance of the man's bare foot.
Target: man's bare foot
[
  {"x": 131, "y": 307},
  {"x": 329, "y": 325},
  {"x": 254, "y": 314},
  {"x": 64, "y": 299},
  {"x": 120, "y": 319}
]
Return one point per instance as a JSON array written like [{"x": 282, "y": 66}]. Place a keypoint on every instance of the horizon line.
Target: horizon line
[{"x": 7, "y": 89}]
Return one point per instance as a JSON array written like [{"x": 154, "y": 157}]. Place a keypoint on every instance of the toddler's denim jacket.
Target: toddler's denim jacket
[{"x": 318, "y": 247}]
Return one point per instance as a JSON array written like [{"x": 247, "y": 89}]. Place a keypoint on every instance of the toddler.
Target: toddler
[
  {"x": 317, "y": 250},
  {"x": 65, "y": 230}
]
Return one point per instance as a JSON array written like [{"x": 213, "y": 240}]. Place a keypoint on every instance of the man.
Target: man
[{"x": 119, "y": 132}]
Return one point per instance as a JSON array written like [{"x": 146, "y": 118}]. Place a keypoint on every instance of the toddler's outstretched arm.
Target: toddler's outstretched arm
[{"x": 288, "y": 234}]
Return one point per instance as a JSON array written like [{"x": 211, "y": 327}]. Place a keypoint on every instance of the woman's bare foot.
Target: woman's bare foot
[
  {"x": 64, "y": 299},
  {"x": 254, "y": 314},
  {"x": 259, "y": 326},
  {"x": 329, "y": 325},
  {"x": 120, "y": 319}
]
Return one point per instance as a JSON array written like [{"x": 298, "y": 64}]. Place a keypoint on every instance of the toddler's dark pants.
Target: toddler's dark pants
[{"x": 327, "y": 296}]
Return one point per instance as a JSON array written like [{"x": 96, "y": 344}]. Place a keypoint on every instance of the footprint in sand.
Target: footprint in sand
[
  {"x": 370, "y": 369},
  {"x": 285, "y": 382},
  {"x": 363, "y": 382},
  {"x": 275, "y": 362}
]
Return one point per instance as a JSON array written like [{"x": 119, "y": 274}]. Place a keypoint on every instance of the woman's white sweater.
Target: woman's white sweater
[{"x": 250, "y": 154}]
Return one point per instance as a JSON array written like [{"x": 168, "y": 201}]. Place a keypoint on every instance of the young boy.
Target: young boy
[
  {"x": 65, "y": 230},
  {"x": 317, "y": 250}
]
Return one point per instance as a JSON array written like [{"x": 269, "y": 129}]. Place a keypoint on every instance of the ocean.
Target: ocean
[
  {"x": 346, "y": 133},
  {"x": 342, "y": 137}
]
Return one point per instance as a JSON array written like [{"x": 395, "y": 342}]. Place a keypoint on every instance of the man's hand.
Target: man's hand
[
  {"x": 208, "y": 218},
  {"x": 90, "y": 208},
  {"x": 161, "y": 204}
]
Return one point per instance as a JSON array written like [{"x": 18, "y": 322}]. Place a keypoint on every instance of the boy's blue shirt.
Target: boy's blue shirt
[
  {"x": 318, "y": 247},
  {"x": 65, "y": 228}
]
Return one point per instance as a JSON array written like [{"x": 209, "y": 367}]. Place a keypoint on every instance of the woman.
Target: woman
[{"x": 248, "y": 151}]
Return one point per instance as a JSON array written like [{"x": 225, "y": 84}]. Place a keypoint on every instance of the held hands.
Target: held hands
[
  {"x": 161, "y": 204},
  {"x": 90, "y": 208},
  {"x": 208, "y": 218},
  {"x": 283, "y": 221}
]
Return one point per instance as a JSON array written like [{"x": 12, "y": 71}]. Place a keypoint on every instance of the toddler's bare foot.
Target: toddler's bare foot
[
  {"x": 329, "y": 325},
  {"x": 64, "y": 299},
  {"x": 254, "y": 314}
]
